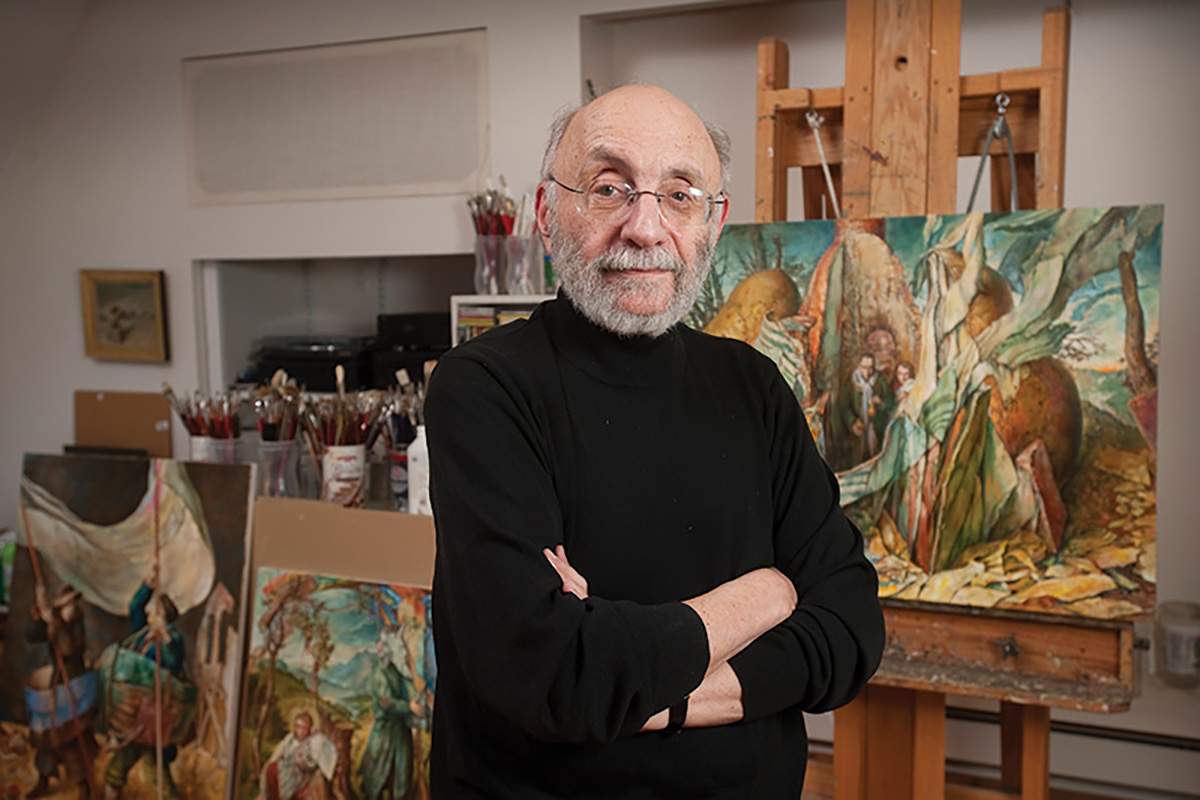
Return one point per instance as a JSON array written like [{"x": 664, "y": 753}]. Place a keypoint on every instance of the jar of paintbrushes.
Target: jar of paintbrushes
[
  {"x": 277, "y": 413},
  {"x": 342, "y": 429},
  {"x": 212, "y": 424}
]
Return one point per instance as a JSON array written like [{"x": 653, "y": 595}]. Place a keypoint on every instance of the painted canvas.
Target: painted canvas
[
  {"x": 121, "y": 649},
  {"x": 340, "y": 686},
  {"x": 984, "y": 387}
]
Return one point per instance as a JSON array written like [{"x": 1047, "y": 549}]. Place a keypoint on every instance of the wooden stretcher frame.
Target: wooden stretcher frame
[{"x": 892, "y": 138}]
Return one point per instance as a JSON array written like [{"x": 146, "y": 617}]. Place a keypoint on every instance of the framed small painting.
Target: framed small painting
[{"x": 124, "y": 314}]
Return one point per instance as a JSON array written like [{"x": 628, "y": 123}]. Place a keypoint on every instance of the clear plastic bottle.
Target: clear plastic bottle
[{"x": 418, "y": 475}]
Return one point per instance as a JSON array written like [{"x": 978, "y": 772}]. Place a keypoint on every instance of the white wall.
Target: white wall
[{"x": 95, "y": 174}]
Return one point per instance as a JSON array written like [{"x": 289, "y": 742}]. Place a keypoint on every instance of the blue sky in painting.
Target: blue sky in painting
[{"x": 353, "y": 632}]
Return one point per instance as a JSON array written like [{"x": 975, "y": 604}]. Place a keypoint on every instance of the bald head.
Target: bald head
[{"x": 629, "y": 104}]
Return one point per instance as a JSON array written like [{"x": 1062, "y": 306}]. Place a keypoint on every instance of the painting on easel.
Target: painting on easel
[
  {"x": 984, "y": 387},
  {"x": 340, "y": 685},
  {"x": 121, "y": 649}
]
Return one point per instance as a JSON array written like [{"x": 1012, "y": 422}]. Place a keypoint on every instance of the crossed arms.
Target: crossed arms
[
  {"x": 734, "y": 614},
  {"x": 806, "y": 631}
]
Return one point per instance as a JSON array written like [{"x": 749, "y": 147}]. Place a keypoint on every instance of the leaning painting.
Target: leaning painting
[
  {"x": 340, "y": 685},
  {"x": 121, "y": 649},
  {"x": 984, "y": 387}
]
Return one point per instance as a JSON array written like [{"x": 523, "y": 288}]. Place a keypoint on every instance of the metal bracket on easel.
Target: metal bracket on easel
[
  {"x": 998, "y": 129},
  {"x": 815, "y": 121}
]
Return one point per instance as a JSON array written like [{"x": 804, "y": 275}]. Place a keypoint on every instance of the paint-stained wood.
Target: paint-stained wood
[
  {"x": 1052, "y": 111},
  {"x": 850, "y": 749},
  {"x": 890, "y": 745},
  {"x": 929, "y": 745},
  {"x": 817, "y": 203},
  {"x": 944, "y": 100},
  {"x": 899, "y": 145},
  {"x": 857, "y": 109},
  {"x": 1058, "y": 661},
  {"x": 770, "y": 178},
  {"x": 1025, "y": 750}
]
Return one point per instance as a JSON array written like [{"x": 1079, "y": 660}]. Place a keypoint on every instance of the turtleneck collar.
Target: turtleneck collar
[{"x": 609, "y": 357}]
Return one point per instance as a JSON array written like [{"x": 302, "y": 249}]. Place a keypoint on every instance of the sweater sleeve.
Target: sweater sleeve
[
  {"x": 823, "y": 654},
  {"x": 560, "y": 668}
]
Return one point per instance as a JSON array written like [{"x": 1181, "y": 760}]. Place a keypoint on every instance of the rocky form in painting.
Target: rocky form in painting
[
  {"x": 340, "y": 685},
  {"x": 984, "y": 386},
  {"x": 121, "y": 652}
]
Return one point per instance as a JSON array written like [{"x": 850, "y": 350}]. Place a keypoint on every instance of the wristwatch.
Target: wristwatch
[{"x": 677, "y": 715}]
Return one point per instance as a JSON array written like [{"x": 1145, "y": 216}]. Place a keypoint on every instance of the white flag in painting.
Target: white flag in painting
[{"x": 107, "y": 563}]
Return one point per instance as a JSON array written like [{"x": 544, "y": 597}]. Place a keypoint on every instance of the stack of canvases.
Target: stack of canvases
[{"x": 124, "y": 658}]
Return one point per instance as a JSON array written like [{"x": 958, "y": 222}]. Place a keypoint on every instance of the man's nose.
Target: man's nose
[{"x": 644, "y": 227}]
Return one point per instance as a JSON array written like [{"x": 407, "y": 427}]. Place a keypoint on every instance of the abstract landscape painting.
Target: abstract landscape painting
[
  {"x": 121, "y": 649},
  {"x": 340, "y": 687},
  {"x": 984, "y": 387}
]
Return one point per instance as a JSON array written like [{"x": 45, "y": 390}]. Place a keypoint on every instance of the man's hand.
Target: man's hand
[
  {"x": 716, "y": 701},
  {"x": 572, "y": 581}
]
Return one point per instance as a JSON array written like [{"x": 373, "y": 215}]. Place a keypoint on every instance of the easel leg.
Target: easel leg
[
  {"x": 850, "y": 750},
  {"x": 890, "y": 743},
  {"x": 1025, "y": 750},
  {"x": 929, "y": 745}
]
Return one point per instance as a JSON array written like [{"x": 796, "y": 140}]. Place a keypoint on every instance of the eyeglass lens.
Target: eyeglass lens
[{"x": 680, "y": 203}]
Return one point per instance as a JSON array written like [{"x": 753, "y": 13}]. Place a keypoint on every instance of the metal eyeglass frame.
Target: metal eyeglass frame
[{"x": 632, "y": 194}]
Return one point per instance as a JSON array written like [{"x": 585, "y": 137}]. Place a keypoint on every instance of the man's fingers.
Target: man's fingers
[{"x": 573, "y": 582}]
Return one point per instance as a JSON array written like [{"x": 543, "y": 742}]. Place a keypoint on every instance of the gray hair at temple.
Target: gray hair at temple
[{"x": 562, "y": 119}]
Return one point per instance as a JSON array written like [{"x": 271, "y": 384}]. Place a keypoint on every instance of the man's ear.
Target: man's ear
[
  {"x": 723, "y": 217},
  {"x": 542, "y": 213}
]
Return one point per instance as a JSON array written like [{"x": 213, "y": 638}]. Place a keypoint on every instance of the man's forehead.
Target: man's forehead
[{"x": 640, "y": 129}]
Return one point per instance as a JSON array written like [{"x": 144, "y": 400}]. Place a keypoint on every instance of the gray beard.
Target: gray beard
[{"x": 596, "y": 298}]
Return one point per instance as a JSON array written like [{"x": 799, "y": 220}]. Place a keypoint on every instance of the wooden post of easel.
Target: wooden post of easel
[{"x": 893, "y": 136}]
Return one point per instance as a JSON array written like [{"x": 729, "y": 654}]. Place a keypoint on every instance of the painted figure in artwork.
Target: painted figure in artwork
[
  {"x": 60, "y": 625},
  {"x": 152, "y": 617},
  {"x": 120, "y": 609},
  {"x": 387, "y": 764},
  {"x": 864, "y": 411},
  {"x": 905, "y": 375},
  {"x": 302, "y": 765}
]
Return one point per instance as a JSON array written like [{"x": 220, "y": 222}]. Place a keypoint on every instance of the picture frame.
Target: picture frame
[{"x": 124, "y": 314}]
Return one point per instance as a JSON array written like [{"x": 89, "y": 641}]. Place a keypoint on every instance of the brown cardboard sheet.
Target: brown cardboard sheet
[{"x": 133, "y": 420}]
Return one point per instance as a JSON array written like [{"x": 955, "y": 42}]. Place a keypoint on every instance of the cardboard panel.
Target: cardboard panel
[
  {"x": 326, "y": 539},
  {"x": 133, "y": 420}
]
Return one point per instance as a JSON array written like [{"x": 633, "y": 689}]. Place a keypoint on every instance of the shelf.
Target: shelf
[{"x": 472, "y": 314}]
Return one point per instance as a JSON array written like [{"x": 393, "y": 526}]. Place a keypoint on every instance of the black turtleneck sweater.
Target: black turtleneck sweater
[{"x": 666, "y": 466}]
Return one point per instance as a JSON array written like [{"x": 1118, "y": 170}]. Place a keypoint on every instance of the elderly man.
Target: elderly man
[{"x": 643, "y": 575}]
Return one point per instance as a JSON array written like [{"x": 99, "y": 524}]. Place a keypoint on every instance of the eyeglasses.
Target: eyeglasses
[{"x": 681, "y": 204}]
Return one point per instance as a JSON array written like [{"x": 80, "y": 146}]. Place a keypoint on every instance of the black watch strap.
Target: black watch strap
[{"x": 677, "y": 715}]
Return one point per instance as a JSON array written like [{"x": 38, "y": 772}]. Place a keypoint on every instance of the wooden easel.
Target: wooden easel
[{"x": 893, "y": 136}]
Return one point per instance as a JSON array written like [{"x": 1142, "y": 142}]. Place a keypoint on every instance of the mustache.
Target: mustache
[{"x": 630, "y": 260}]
